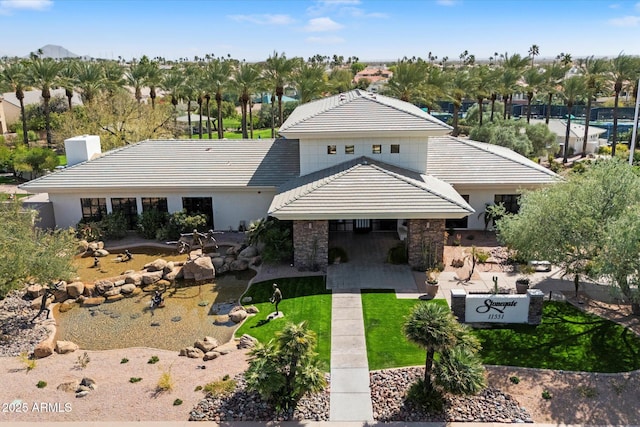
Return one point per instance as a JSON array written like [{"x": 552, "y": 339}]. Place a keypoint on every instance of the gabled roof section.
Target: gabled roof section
[
  {"x": 359, "y": 111},
  {"x": 363, "y": 188},
  {"x": 465, "y": 162},
  {"x": 180, "y": 164}
]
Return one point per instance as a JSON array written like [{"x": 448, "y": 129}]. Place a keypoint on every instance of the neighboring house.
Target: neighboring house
[
  {"x": 378, "y": 76},
  {"x": 10, "y": 105},
  {"x": 576, "y": 135},
  {"x": 354, "y": 162}
]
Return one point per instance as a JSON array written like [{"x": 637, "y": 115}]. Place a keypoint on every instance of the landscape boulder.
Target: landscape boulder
[
  {"x": 101, "y": 253},
  {"x": 157, "y": 265},
  {"x": 35, "y": 291},
  {"x": 248, "y": 252},
  {"x": 133, "y": 278},
  {"x": 103, "y": 286},
  {"x": 151, "y": 277},
  {"x": 75, "y": 289},
  {"x": 207, "y": 344},
  {"x": 210, "y": 355},
  {"x": 238, "y": 316},
  {"x": 240, "y": 264},
  {"x": 127, "y": 288},
  {"x": 198, "y": 269},
  {"x": 247, "y": 341},
  {"x": 192, "y": 352},
  {"x": 64, "y": 347}
]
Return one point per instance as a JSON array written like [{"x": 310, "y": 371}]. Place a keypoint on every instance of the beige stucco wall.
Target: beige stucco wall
[
  {"x": 314, "y": 157},
  {"x": 229, "y": 208}
]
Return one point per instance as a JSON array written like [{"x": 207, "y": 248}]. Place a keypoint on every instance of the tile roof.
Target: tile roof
[
  {"x": 181, "y": 164},
  {"x": 461, "y": 161},
  {"x": 359, "y": 111},
  {"x": 364, "y": 188}
]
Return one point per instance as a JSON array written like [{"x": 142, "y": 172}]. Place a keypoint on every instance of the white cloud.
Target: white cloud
[
  {"x": 323, "y": 6},
  {"x": 325, "y": 40},
  {"x": 266, "y": 19},
  {"x": 317, "y": 25},
  {"x": 357, "y": 12},
  {"x": 9, "y": 6},
  {"x": 625, "y": 21}
]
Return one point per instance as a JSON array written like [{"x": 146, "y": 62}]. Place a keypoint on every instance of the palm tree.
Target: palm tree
[
  {"x": 553, "y": 75},
  {"x": 152, "y": 78},
  {"x": 218, "y": 75},
  {"x": 14, "y": 74},
  {"x": 533, "y": 79},
  {"x": 68, "y": 79},
  {"x": 91, "y": 79},
  {"x": 114, "y": 76},
  {"x": 508, "y": 81},
  {"x": 246, "y": 81},
  {"x": 309, "y": 80},
  {"x": 433, "y": 85},
  {"x": 572, "y": 88},
  {"x": 173, "y": 83},
  {"x": 534, "y": 51},
  {"x": 623, "y": 70},
  {"x": 594, "y": 71},
  {"x": 432, "y": 328},
  {"x": 407, "y": 80},
  {"x": 43, "y": 74},
  {"x": 481, "y": 86},
  {"x": 460, "y": 87},
  {"x": 135, "y": 77},
  {"x": 278, "y": 70}
]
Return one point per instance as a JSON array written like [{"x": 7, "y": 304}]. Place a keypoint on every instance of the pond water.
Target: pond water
[{"x": 191, "y": 311}]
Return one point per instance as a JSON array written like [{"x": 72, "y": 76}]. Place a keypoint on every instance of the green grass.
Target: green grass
[
  {"x": 567, "y": 339},
  {"x": 304, "y": 299},
  {"x": 384, "y": 316},
  {"x": 257, "y": 133}
]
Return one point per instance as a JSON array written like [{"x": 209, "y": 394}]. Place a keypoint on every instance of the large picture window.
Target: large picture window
[
  {"x": 511, "y": 202},
  {"x": 93, "y": 209},
  {"x": 199, "y": 205},
  {"x": 154, "y": 203},
  {"x": 126, "y": 206},
  {"x": 460, "y": 222}
]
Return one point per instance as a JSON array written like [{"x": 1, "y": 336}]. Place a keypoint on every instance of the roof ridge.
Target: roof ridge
[
  {"x": 429, "y": 116},
  {"x": 475, "y": 144},
  {"x": 417, "y": 184},
  {"x": 329, "y": 108}
]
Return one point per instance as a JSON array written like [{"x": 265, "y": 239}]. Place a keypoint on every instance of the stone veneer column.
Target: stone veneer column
[
  {"x": 459, "y": 304},
  {"x": 536, "y": 297},
  {"x": 422, "y": 232},
  {"x": 311, "y": 244}
]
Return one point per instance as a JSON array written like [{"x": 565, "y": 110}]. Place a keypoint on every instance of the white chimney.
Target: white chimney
[{"x": 82, "y": 148}]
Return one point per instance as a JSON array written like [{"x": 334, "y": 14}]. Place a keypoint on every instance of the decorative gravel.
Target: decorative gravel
[{"x": 17, "y": 333}]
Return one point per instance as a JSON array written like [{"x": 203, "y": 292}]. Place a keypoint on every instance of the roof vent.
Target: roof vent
[{"x": 342, "y": 97}]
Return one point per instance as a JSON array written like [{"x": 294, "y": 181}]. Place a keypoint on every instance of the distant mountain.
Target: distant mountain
[{"x": 55, "y": 52}]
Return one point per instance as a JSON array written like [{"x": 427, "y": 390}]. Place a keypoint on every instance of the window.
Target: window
[
  {"x": 460, "y": 222},
  {"x": 331, "y": 149},
  {"x": 509, "y": 201},
  {"x": 157, "y": 203},
  {"x": 376, "y": 149},
  {"x": 349, "y": 149},
  {"x": 395, "y": 148},
  {"x": 93, "y": 209},
  {"x": 199, "y": 205},
  {"x": 128, "y": 208}
]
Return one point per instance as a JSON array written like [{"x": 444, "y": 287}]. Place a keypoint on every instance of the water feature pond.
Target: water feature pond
[{"x": 191, "y": 311}]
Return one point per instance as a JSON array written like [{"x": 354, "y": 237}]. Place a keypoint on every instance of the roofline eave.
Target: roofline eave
[
  {"x": 344, "y": 134},
  {"x": 295, "y": 216}
]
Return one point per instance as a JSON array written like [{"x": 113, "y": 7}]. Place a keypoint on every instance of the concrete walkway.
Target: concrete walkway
[{"x": 350, "y": 391}]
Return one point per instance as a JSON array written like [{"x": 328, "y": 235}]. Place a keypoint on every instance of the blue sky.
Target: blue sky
[{"x": 369, "y": 29}]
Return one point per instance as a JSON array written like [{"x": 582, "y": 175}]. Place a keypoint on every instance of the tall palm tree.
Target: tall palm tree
[
  {"x": 481, "y": 86},
  {"x": 553, "y": 75},
  {"x": 43, "y": 74},
  {"x": 433, "y": 87},
  {"x": 135, "y": 77},
  {"x": 459, "y": 88},
  {"x": 594, "y": 70},
  {"x": 623, "y": 70},
  {"x": 507, "y": 85},
  {"x": 218, "y": 76},
  {"x": 114, "y": 76},
  {"x": 68, "y": 80},
  {"x": 572, "y": 88},
  {"x": 246, "y": 81},
  {"x": 310, "y": 81},
  {"x": 91, "y": 79},
  {"x": 534, "y": 51},
  {"x": 14, "y": 74},
  {"x": 533, "y": 80},
  {"x": 173, "y": 84},
  {"x": 278, "y": 69},
  {"x": 152, "y": 78},
  {"x": 407, "y": 80}
]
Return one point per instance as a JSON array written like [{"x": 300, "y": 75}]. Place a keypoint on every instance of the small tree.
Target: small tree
[
  {"x": 284, "y": 370},
  {"x": 457, "y": 369}
]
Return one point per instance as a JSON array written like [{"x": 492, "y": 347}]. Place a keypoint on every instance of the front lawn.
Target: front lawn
[
  {"x": 303, "y": 299},
  {"x": 384, "y": 316},
  {"x": 568, "y": 339}
]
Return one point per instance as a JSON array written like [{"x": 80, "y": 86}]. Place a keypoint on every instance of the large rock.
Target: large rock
[
  {"x": 210, "y": 355},
  {"x": 198, "y": 269},
  {"x": 92, "y": 301},
  {"x": 234, "y": 250},
  {"x": 112, "y": 292},
  {"x": 217, "y": 262},
  {"x": 44, "y": 349},
  {"x": 92, "y": 247},
  {"x": 248, "y": 252},
  {"x": 192, "y": 352},
  {"x": 207, "y": 344},
  {"x": 127, "y": 288},
  {"x": 89, "y": 290},
  {"x": 75, "y": 289},
  {"x": 252, "y": 309},
  {"x": 66, "y": 305},
  {"x": 64, "y": 347},
  {"x": 247, "y": 341},
  {"x": 101, "y": 253},
  {"x": 240, "y": 264},
  {"x": 102, "y": 286},
  {"x": 83, "y": 245},
  {"x": 114, "y": 298},
  {"x": 238, "y": 316},
  {"x": 69, "y": 387},
  {"x": 134, "y": 278},
  {"x": 35, "y": 291},
  {"x": 174, "y": 274},
  {"x": 151, "y": 277},
  {"x": 167, "y": 268},
  {"x": 156, "y": 265},
  {"x": 37, "y": 303}
]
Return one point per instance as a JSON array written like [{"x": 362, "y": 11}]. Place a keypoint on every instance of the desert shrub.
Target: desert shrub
[
  {"x": 165, "y": 383},
  {"x": 431, "y": 401},
  {"x": 27, "y": 361},
  {"x": 514, "y": 379},
  {"x": 398, "y": 254},
  {"x": 83, "y": 361},
  {"x": 124, "y": 360},
  {"x": 41, "y": 384},
  {"x": 275, "y": 235},
  {"x": 180, "y": 222},
  {"x": 177, "y": 402},
  {"x": 482, "y": 256},
  {"x": 546, "y": 395},
  {"x": 89, "y": 231},
  {"x": 149, "y": 222},
  {"x": 114, "y": 225},
  {"x": 153, "y": 359},
  {"x": 220, "y": 387},
  {"x": 134, "y": 380}
]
